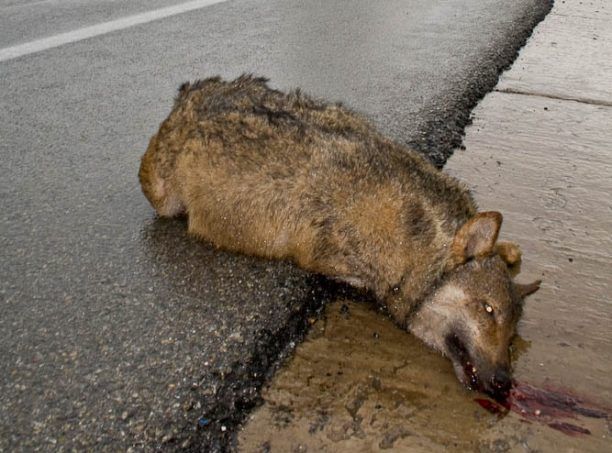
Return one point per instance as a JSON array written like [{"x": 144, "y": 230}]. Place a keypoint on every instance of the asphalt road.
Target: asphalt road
[{"x": 117, "y": 330}]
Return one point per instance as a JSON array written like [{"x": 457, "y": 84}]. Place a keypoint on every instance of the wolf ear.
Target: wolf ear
[
  {"x": 509, "y": 252},
  {"x": 529, "y": 288},
  {"x": 477, "y": 236}
]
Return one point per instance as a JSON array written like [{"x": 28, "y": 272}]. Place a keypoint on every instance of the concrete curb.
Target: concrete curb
[{"x": 444, "y": 132}]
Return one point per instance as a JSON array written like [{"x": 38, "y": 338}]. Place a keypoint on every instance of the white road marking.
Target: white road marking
[{"x": 8, "y": 53}]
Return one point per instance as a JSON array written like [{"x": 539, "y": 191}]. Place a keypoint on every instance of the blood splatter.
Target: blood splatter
[
  {"x": 569, "y": 429},
  {"x": 491, "y": 406},
  {"x": 547, "y": 406}
]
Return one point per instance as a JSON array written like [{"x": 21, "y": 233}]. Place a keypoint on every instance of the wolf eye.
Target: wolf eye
[{"x": 488, "y": 308}]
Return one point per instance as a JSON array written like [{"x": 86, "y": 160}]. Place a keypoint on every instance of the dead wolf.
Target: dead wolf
[{"x": 285, "y": 176}]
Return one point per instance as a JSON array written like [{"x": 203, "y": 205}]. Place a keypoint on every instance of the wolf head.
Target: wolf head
[{"x": 471, "y": 316}]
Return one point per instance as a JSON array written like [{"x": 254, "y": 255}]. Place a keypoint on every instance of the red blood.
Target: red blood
[
  {"x": 546, "y": 406},
  {"x": 491, "y": 406},
  {"x": 569, "y": 429}
]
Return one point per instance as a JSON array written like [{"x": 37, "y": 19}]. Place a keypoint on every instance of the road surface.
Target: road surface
[{"x": 118, "y": 330}]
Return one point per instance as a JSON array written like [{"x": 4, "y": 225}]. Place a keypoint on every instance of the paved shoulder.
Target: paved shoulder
[{"x": 574, "y": 32}]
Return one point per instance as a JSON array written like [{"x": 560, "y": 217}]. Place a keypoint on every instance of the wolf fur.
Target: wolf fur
[{"x": 285, "y": 176}]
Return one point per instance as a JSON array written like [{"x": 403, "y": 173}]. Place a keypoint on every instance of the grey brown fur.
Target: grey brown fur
[{"x": 285, "y": 176}]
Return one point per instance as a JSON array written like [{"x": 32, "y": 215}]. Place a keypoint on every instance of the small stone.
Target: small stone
[
  {"x": 237, "y": 337},
  {"x": 202, "y": 422},
  {"x": 167, "y": 438}
]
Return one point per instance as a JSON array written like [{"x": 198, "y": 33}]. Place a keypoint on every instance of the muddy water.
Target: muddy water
[{"x": 360, "y": 384}]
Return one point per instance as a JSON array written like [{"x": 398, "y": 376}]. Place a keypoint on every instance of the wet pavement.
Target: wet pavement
[
  {"x": 360, "y": 384},
  {"x": 23, "y": 21},
  {"x": 118, "y": 330},
  {"x": 539, "y": 151}
]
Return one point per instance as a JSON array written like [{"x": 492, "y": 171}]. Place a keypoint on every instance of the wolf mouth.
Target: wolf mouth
[{"x": 460, "y": 354}]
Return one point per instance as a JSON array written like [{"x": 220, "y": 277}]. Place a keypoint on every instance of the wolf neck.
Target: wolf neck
[
  {"x": 426, "y": 261},
  {"x": 419, "y": 281}
]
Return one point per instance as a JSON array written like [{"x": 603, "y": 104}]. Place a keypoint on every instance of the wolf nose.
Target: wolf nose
[{"x": 501, "y": 382}]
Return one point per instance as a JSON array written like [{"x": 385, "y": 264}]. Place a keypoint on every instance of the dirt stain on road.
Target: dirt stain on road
[{"x": 360, "y": 384}]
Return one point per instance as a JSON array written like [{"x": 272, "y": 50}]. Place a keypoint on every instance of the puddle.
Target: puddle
[{"x": 360, "y": 384}]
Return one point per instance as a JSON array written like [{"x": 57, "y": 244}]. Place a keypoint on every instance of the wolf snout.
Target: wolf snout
[{"x": 500, "y": 384}]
